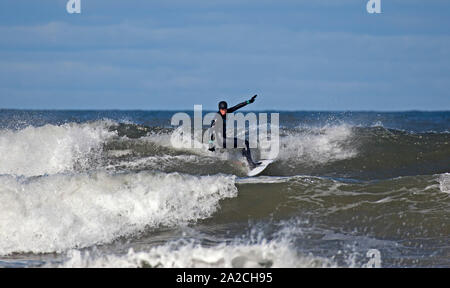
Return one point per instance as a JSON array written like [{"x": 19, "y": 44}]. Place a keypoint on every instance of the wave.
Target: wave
[
  {"x": 311, "y": 146},
  {"x": 63, "y": 211},
  {"x": 331, "y": 150},
  {"x": 444, "y": 183},
  {"x": 335, "y": 151},
  {"x": 255, "y": 250},
  {"x": 52, "y": 149},
  {"x": 267, "y": 254},
  {"x": 361, "y": 152},
  {"x": 317, "y": 145}
]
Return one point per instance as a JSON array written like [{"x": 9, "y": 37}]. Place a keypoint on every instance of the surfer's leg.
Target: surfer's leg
[{"x": 238, "y": 143}]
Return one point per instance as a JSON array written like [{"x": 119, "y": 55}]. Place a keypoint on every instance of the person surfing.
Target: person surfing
[{"x": 218, "y": 132}]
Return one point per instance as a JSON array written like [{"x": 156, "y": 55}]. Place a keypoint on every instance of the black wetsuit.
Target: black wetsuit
[{"x": 234, "y": 140}]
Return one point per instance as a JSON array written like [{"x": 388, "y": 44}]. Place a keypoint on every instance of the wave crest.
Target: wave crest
[
  {"x": 59, "y": 212},
  {"x": 51, "y": 149},
  {"x": 317, "y": 145}
]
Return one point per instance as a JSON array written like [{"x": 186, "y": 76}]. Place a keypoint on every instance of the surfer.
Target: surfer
[{"x": 219, "y": 136}]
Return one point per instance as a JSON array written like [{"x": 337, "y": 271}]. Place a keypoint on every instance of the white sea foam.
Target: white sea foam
[
  {"x": 444, "y": 182},
  {"x": 250, "y": 251},
  {"x": 309, "y": 145},
  {"x": 51, "y": 149},
  {"x": 263, "y": 180},
  {"x": 314, "y": 145},
  {"x": 318, "y": 145},
  {"x": 120, "y": 153},
  {"x": 377, "y": 124},
  {"x": 277, "y": 253},
  {"x": 63, "y": 211},
  {"x": 177, "y": 141},
  {"x": 158, "y": 161},
  {"x": 173, "y": 255}
]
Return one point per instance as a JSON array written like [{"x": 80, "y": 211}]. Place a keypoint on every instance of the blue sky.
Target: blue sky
[{"x": 172, "y": 54}]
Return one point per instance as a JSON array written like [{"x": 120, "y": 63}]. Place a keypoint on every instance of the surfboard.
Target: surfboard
[{"x": 260, "y": 168}]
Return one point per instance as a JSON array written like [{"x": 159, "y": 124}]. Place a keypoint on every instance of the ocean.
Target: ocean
[{"x": 108, "y": 189}]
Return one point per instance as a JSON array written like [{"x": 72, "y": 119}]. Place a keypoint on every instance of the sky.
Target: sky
[{"x": 172, "y": 54}]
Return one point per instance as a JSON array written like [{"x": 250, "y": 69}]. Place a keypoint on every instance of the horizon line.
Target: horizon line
[{"x": 213, "y": 110}]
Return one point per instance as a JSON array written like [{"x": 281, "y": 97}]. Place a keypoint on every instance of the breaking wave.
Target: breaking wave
[
  {"x": 63, "y": 211},
  {"x": 51, "y": 149}
]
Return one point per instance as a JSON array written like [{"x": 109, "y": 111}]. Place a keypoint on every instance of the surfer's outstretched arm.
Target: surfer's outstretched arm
[{"x": 240, "y": 105}]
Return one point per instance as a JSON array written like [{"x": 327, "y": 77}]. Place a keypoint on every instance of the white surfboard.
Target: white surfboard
[{"x": 260, "y": 168}]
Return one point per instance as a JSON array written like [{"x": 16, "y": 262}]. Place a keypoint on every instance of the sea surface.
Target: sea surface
[{"x": 109, "y": 189}]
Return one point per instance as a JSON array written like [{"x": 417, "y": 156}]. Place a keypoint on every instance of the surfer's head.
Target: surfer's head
[{"x": 223, "y": 106}]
